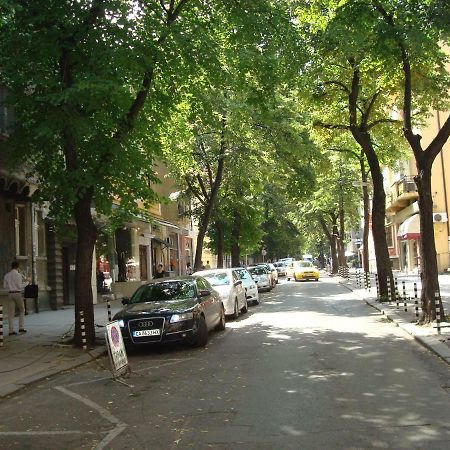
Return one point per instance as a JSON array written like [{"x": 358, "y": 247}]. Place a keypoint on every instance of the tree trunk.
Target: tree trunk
[
  {"x": 366, "y": 213},
  {"x": 332, "y": 242},
  {"x": 86, "y": 237},
  {"x": 220, "y": 243},
  {"x": 210, "y": 200},
  {"x": 428, "y": 262},
  {"x": 341, "y": 244},
  {"x": 383, "y": 261},
  {"x": 235, "y": 236}
]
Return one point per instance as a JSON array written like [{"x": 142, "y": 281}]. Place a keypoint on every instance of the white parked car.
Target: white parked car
[
  {"x": 230, "y": 288},
  {"x": 281, "y": 268},
  {"x": 262, "y": 277},
  {"x": 251, "y": 289},
  {"x": 273, "y": 274}
]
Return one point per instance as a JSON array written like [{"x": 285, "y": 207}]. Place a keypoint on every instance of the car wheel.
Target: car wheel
[
  {"x": 221, "y": 325},
  {"x": 295, "y": 278},
  {"x": 289, "y": 278},
  {"x": 236, "y": 309},
  {"x": 201, "y": 337},
  {"x": 256, "y": 302},
  {"x": 244, "y": 309}
]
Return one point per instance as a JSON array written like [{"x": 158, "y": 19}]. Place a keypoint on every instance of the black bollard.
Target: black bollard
[
  {"x": 416, "y": 301},
  {"x": 437, "y": 306},
  {"x": 405, "y": 304}
]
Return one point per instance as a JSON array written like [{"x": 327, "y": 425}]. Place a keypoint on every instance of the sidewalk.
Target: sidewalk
[
  {"x": 44, "y": 350},
  {"x": 426, "y": 335}
]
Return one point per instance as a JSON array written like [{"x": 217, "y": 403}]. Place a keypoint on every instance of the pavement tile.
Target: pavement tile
[
  {"x": 426, "y": 335},
  {"x": 42, "y": 351}
]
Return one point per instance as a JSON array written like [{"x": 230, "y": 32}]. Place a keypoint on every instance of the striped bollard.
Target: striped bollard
[
  {"x": 365, "y": 280},
  {"x": 108, "y": 307},
  {"x": 397, "y": 294},
  {"x": 389, "y": 289},
  {"x": 437, "y": 306},
  {"x": 83, "y": 330},
  {"x": 358, "y": 282},
  {"x": 416, "y": 301},
  {"x": 369, "y": 281},
  {"x": 1, "y": 325},
  {"x": 377, "y": 286},
  {"x": 405, "y": 304}
]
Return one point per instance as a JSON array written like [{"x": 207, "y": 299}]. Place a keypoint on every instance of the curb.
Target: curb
[
  {"x": 80, "y": 360},
  {"x": 429, "y": 342}
]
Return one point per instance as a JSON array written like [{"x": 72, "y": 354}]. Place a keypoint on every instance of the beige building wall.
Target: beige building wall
[{"x": 440, "y": 185}]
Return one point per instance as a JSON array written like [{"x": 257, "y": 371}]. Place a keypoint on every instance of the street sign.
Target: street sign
[
  {"x": 264, "y": 252},
  {"x": 116, "y": 349}
]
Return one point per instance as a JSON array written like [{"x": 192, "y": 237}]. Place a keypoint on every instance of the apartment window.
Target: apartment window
[{"x": 21, "y": 235}]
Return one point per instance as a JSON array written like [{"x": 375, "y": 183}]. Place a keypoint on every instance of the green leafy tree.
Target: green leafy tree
[
  {"x": 93, "y": 82},
  {"x": 354, "y": 93},
  {"x": 410, "y": 38}
]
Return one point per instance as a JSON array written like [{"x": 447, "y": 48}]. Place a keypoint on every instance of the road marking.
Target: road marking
[
  {"x": 43, "y": 433},
  {"x": 119, "y": 426}
]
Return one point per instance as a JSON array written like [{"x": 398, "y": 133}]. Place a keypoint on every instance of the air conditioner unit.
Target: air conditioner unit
[{"x": 440, "y": 217}]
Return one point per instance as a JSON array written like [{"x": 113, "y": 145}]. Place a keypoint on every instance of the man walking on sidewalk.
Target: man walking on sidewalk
[{"x": 14, "y": 283}]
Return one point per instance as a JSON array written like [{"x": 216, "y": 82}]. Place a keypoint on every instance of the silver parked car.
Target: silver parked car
[
  {"x": 262, "y": 276},
  {"x": 251, "y": 289},
  {"x": 229, "y": 286}
]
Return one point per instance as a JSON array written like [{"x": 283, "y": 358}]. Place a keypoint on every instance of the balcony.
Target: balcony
[{"x": 401, "y": 194}]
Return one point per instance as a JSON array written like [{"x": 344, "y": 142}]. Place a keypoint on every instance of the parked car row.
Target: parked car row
[{"x": 186, "y": 308}]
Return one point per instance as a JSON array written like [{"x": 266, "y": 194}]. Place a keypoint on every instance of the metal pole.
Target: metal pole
[
  {"x": 378, "y": 286},
  {"x": 437, "y": 307},
  {"x": 389, "y": 289},
  {"x": 405, "y": 304},
  {"x": 357, "y": 278},
  {"x": 416, "y": 301},
  {"x": 397, "y": 294},
  {"x": 1, "y": 325},
  {"x": 83, "y": 330},
  {"x": 108, "y": 307}
]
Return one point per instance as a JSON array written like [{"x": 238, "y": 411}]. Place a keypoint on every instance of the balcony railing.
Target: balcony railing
[{"x": 401, "y": 194}]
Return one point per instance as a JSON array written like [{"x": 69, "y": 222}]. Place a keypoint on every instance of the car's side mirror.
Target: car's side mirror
[
  {"x": 125, "y": 301},
  {"x": 238, "y": 282},
  {"x": 204, "y": 293}
]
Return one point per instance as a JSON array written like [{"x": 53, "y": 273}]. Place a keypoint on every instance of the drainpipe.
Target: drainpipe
[
  {"x": 438, "y": 117},
  {"x": 33, "y": 243}
]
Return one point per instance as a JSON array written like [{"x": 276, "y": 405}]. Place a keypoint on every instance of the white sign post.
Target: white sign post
[{"x": 116, "y": 349}]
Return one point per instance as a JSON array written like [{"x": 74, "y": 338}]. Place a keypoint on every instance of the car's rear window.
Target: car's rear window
[
  {"x": 243, "y": 274},
  {"x": 257, "y": 270},
  {"x": 164, "y": 291},
  {"x": 217, "y": 278}
]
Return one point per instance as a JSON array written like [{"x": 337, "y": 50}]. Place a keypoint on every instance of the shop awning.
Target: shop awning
[
  {"x": 167, "y": 224},
  {"x": 410, "y": 228}
]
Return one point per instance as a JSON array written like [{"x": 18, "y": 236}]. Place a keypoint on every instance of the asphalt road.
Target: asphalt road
[{"x": 311, "y": 367}]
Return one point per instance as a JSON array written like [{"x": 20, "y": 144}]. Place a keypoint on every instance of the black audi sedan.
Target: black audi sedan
[{"x": 167, "y": 310}]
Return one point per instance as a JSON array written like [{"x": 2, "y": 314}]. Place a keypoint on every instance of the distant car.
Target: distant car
[
  {"x": 286, "y": 260},
  {"x": 229, "y": 286},
  {"x": 262, "y": 276},
  {"x": 273, "y": 272},
  {"x": 167, "y": 310},
  {"x": 281, "y": 268},
  {"x": 302, "y": 270},
  {"x": 250, "y": 286}
]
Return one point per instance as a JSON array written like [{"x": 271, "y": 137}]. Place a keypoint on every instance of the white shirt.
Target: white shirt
[{"x": 13, "y": 281}]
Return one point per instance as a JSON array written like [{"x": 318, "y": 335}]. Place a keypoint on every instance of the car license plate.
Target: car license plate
[{"x": 141, "y": 333}]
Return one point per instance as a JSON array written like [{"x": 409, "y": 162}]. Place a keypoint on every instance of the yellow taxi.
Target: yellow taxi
[{"x": 302, "y": 270}]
